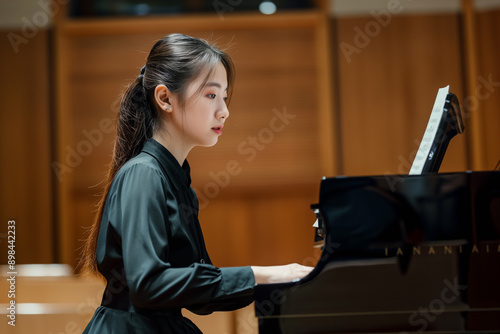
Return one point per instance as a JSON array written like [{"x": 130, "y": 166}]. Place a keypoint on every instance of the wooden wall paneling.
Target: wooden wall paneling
[
  {"x": 190, "y": 23},
  {"x": 275, "y": 80},
  {"x": 227, "y": 225},
  {"x": 25, "y": 170},
  {"x": 328, "y": 117},
  {"x": 475, "y": 118},
  {"x": 282, "y": 229},
  {"x": 488, "y": 80},
  {"x": 261, "y": 227},
  {"x": 388, "y": 86},
  {"x": 68, "y": 158}
]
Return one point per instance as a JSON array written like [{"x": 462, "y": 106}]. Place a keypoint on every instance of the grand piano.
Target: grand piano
[{"x": 416, "y": 253}]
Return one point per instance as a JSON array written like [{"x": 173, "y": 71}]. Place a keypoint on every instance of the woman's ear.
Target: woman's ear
[{"x": 163, "y": 98}]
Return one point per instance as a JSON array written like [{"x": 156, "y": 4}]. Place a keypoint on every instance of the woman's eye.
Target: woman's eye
[{"x": 212, "y": 96}]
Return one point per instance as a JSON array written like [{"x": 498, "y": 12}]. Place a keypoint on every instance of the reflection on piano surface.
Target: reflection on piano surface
[{"x": 401, "y": 253}]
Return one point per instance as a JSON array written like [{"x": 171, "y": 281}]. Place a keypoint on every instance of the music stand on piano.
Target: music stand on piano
[{"x": 444, "y": 123}]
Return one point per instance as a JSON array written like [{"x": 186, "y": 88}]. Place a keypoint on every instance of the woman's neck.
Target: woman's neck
[{"x": 176, "y": 148}]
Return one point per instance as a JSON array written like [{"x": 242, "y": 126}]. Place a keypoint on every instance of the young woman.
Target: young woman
[{"x": 146, "y": 240}]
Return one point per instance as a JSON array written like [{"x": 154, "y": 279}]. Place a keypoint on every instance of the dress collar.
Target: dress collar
[{"x": 180, "y": 176}]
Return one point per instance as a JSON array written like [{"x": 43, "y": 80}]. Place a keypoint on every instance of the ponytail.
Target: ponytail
[
  {"x": 174, "y": 61},
  {"x": 135, "y": 126}
]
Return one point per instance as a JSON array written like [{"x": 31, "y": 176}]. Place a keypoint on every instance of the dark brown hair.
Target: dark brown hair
[{"x": 174, "y": 61}]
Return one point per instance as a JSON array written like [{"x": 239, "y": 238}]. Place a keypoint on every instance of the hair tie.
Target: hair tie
[{"x": 141, "y": 76}]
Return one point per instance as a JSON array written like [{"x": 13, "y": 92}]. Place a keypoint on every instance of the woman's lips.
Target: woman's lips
[{"x": 218, "y": 130}]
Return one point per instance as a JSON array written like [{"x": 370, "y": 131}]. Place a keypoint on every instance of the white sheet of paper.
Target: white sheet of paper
[{"x": 430, "y": 132}]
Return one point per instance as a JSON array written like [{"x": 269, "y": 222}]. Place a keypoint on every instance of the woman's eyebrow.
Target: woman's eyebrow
[{"x": 214, "y": 84}]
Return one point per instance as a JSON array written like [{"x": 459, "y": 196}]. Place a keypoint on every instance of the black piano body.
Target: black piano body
[{"x": 401, "y": 254}]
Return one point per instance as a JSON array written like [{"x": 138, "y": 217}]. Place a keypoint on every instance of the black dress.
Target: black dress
[{"x": 152, "y": 253}]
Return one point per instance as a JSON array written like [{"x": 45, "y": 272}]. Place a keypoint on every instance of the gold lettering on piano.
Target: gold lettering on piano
[
  {"x": 432, "y": 251},
  {"x": 444, "y": 250}
]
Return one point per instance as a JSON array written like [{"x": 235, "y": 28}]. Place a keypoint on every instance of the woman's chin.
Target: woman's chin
[{"x": 209, "y": 144}]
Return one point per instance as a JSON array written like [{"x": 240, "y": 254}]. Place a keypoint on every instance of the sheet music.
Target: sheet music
[{"x": 430, "y": 131}]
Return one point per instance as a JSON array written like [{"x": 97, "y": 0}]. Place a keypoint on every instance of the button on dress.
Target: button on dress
[{"x": 152, "y": 253}]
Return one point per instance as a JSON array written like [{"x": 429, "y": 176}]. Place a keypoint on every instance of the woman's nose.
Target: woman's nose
[{"x": 223, "y": 113}]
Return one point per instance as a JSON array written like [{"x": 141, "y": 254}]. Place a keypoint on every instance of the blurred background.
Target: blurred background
[{"x": 324, "y": 88}]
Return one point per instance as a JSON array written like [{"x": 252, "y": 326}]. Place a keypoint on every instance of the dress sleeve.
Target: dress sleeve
[{"x": 142, "y": 220}]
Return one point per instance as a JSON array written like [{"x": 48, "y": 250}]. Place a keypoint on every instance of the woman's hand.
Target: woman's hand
[{"x": 280, "y": 274}]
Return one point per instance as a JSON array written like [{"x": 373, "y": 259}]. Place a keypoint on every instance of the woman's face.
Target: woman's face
[{"x": 205, "y": 112}]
